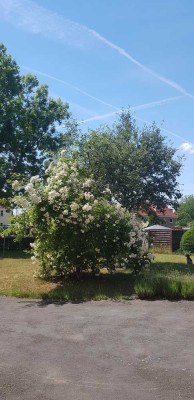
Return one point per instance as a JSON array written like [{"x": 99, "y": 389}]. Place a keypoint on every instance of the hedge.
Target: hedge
[
  {"x": 10, "y": 243},
  {"x": 187, "y": 241}
]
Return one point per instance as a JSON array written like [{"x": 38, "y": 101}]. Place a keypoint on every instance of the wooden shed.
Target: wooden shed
[
  {"x": 163, "y": 237},
  {"x": 160, "y": 236}
]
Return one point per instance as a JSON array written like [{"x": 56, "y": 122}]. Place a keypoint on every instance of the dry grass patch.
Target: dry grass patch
[{"x": 16, "y": 279}]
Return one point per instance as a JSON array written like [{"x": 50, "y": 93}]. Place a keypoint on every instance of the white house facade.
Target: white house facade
[{"x": 5, "y": 216}]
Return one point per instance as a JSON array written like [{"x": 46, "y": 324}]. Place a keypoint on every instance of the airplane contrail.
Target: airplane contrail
[
  {"x": 69, "y": 85},
  {"x": 134, "y": 108},
  {"x": 36, "y": 19},
  {"x": 144, "y": 67}
]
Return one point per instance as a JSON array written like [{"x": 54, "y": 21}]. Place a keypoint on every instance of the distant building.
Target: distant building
[
  {"x": 167, "y": 217},
  {"x": 5, "y": 216}
]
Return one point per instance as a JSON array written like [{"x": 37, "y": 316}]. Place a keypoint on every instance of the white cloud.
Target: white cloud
[
  {"x": 36, "y": 19},
  {"x": 187, "y": 147}
]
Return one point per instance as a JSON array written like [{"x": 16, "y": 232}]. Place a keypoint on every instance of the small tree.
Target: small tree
[
  {"x": 74, "y": 229},
  {"x": 139, "y": 167},
  {"x": 187, "y": 241}
]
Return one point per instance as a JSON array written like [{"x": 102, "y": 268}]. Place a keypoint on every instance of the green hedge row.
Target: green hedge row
[{"x": 8, "y": 243}]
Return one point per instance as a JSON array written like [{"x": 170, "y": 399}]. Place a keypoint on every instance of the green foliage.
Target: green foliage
[
  {"x": 185, "y": 211},
  {"x": 29, "y": 124},
  {"x": 164, "y": 288},
  {"x": 138, "y": 165},
  {"x": 153, "y": 219},
  {"x": 158, "y": 287},
  {"x": 75, "y": 229},
  {"x": 187, "y": 241}
]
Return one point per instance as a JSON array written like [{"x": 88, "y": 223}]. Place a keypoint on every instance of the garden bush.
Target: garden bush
[
  {"x": 187, "y": 241},
  {"x": 75, "y": 228}
]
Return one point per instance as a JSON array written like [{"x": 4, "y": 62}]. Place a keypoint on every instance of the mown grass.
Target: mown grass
[
  {"x": 168, "y": 277},
  {"x": 16, "y": 279}
]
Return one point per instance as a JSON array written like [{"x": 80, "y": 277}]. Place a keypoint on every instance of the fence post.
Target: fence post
[{"x": 3, "y": 246}]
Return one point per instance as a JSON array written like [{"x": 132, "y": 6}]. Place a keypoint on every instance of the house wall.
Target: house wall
[
  {"x": 168, "y": 222},
  {"x": 5, "y": 216}
]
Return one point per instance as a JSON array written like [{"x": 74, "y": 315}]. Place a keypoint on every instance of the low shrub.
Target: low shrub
[
  {"x": 161, "y": 287},
  {"x": 187, "y": 241}
]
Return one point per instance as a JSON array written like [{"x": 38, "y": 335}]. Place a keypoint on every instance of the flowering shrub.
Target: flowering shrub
[{"x": 74, "y": 229}]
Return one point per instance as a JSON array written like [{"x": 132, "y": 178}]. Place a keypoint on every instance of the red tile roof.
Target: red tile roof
[{"x": 167, "y": 212}]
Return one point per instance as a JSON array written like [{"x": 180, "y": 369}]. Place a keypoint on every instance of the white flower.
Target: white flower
[
  {"x": 21, "y": 202},
  {"x": 87, "y": 183},
  {"x": 65, "y": 212},
  {"x": 88, "y": 196},
  {"x": 63, "y": 152},
  {"x": 86, "y": 207},
  {"x": 74, "y": 206},
  {"x": 34, "y": 179},
  {"x": 132, "y": 255},
  {"x": 34, "y": 260},
  {"x": 97, "y": 250},
  {"x": 36, "y": 199},
  {"x": 107, "y": 190},
  {"x": 51, "y": 196},
  {"x": 74, "y": 215},
  {"x": 16, "y": 186},
  {"x": 29, "y": 187}
]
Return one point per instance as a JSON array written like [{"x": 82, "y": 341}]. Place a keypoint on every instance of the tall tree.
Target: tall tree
[
  {"x": 185, "y": 211},
  {"x": 138, "y": 165},
  {"x": 29, "y": 123}
]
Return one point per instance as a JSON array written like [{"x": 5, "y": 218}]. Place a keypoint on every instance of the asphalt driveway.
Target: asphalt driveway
[{"x": 103, "y": 350}]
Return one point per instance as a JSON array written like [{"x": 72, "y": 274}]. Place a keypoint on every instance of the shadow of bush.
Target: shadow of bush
[
  {"x": 104, "y": 286},
  {"x": 169, "y": 267}
]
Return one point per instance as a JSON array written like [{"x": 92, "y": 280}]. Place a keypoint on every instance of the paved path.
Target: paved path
[{"x": 104, "y": 350}]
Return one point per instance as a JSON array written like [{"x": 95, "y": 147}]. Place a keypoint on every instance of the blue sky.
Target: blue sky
[{"x": 102, "y": 56}]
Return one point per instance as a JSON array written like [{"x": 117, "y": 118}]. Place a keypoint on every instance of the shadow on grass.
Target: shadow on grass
[
  {"x": 168, "y": 268},
  {"x": 118, "y": 286},
  {"x": 171, "y": 281}
]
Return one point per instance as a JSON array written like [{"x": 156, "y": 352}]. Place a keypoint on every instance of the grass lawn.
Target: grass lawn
[{"x": 168, "y": 277}]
